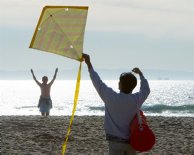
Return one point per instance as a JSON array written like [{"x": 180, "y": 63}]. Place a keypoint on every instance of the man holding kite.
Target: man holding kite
[{"x": 120, "y": 108}]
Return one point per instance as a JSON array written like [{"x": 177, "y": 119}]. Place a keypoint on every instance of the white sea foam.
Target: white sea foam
[{"x": 167, "y": 98}]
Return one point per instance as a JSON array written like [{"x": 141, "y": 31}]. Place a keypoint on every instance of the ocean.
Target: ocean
[{"x": 167, "y": 98}]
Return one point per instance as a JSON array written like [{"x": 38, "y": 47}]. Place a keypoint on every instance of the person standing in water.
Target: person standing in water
[{"x": 45, "y": 102}]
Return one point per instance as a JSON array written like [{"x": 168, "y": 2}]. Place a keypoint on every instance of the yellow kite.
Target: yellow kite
[{"x": 60, "y": 30}]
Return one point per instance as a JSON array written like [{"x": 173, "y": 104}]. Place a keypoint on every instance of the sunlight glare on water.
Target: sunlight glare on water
[{"x": 167, "y": 98}]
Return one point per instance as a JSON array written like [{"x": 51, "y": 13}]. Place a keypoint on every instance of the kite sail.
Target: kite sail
[{"x": 60, "y": 30}]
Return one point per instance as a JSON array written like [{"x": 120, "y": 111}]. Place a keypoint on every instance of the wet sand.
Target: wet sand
[{"x": 36, "y": 135}]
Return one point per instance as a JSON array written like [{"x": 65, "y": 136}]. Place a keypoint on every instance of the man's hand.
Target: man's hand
[
  {"x": 137, "y": 71},
  {"x": 56, "y": 70},
  {"x": 32, "y": 71},
  {"x": 86, "y": 58}
]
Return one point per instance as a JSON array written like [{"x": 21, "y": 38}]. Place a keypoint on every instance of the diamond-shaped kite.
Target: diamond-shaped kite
[{"x": 60, "y": 30}]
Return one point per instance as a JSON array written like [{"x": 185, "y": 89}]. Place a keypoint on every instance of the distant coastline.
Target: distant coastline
[{"x": 106, "y": 74}]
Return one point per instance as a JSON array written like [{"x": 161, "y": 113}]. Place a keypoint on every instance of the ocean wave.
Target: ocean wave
[
  {"x": 159, "y": 108},
  {"x": 100, "y": 108}
]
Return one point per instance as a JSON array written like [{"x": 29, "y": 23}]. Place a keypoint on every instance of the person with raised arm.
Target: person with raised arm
[
  {"x": 45, "y": 102},
  {"x": 120, "y": 108}
]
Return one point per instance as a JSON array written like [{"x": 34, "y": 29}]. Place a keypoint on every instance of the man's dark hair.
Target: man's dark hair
[
  {"x": 127, "y": 82},
  {"x": 45, "y": 79}
]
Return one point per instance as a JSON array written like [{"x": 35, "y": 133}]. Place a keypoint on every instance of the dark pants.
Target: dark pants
[{"x": 118, "y": 148}]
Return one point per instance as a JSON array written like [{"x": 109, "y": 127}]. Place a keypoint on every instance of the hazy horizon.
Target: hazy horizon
[{"x": 106, "y": 74}]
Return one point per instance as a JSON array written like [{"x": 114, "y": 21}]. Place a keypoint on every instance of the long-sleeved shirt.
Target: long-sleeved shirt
[{"x": 120, "y": 108}]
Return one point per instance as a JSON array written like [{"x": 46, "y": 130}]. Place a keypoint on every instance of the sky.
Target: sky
[{"x": 149, "y": 34}]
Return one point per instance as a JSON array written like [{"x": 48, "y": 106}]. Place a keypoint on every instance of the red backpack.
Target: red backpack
[{"x": 142, "y": 138}]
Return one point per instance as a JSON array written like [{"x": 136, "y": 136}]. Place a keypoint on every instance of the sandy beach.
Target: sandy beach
[{"x": 36, "y": 135}]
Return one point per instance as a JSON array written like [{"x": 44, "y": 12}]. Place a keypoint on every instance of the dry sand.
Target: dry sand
[{"x": 36, "y": 135}]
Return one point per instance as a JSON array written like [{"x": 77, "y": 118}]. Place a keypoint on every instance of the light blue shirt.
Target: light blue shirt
[{"x": 120, "y": 108}]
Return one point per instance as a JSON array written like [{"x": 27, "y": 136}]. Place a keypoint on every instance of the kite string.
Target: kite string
[{"x": 64, "y": 146}]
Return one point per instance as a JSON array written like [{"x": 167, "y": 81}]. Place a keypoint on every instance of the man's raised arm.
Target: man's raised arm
[
  {"x": 54, "y": 77},
  {"x": 144, "y": 87},
  {"x": 38, "y": 83}
]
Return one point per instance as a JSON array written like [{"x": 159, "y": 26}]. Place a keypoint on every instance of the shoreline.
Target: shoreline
[{"x": 45, "y": 135}]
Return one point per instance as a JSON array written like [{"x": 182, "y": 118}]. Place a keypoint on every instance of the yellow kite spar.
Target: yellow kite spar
[{"x": 60, "y": 30}]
